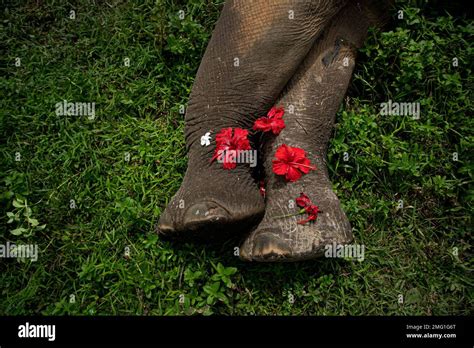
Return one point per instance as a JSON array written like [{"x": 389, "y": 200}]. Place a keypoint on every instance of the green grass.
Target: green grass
[{"x": 409, "y": 251}]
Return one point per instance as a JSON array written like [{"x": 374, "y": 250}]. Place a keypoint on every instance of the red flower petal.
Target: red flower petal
[
  {"x": 310, "y": 218},
  {"x": 272, "y": 122},
  {"x": 303, "y": 200},
  {"x": 262, "y": 124},
  {"x": 292, "y": 174},
  {"x": 224, "y": 136},
  {"x": 304, "y": 165},
  {"x": 297, "y": 153},
  {"x": 228, "y": 141},
  {"x": 229, "y": 165},
  {"x": 313, "y": 211},
  {"x": 276, "y": 112},
  {"x": 279, "y": 168},
  {"x": 277, "y": 126},
  {"x": 240, "y": 140}
]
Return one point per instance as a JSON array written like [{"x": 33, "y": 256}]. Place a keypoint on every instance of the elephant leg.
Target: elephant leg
[
  {"x": 315, "y": 92},
  {"x": 255, "y": 49}
]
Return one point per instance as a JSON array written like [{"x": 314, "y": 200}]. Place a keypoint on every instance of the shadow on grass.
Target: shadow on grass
[{"x": 275, "y": 276}]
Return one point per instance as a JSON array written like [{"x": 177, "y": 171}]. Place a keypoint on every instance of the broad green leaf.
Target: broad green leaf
[
  {"x": 18, "y": 231},
  {"x": 17, "y": 204},
  {"x": 33, "y": 222}
]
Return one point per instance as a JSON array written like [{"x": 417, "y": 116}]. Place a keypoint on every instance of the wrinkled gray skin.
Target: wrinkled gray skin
[
  {"x": 315, "y": 92},
  {"x": 281, "y": 61}
]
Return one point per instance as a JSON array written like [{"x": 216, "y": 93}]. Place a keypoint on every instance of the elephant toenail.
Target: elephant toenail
[
  {"x": 204, "y": 212},
  {"x": 164, "y": 228},
  {"x": 267, "y": 247}
]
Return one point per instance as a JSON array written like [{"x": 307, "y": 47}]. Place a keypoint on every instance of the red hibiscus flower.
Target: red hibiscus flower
[
  {"x": 272, "y": 122},
  {"x": 228, "y": 141},
  {"x": 313, "y": 211},
  {"x": 291, "y": 162},
  {"x": 303, "y": 201}
]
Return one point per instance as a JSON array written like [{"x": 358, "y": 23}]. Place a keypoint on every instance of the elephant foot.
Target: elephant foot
[
  {"x": 282, "y": 237},
  {"x": 211, "y": 204},
  {"x": 311, "y": 99}
]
